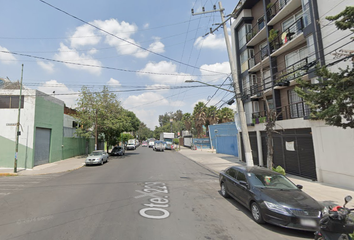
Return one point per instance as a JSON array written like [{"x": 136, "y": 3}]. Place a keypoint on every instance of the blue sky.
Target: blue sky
[{"x": 145, "y": 53}]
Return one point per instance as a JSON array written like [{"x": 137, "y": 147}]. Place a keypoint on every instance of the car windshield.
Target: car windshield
[
  {"x": 96, "y": 153},
  {"x": 269, "y": 180}
]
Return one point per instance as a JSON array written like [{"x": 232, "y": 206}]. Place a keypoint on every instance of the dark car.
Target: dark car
[
  {"x": 271, "y": 197},
  {"x": 117, "y": 151}
]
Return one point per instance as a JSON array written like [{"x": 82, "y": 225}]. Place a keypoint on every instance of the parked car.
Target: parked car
[
  {"x": 144, "y": 144},
  {"x": 159, "y": 146},
  {"x": 97, "y": 157},
  {"x": 271, "y": 197},
  {"x": 118, "y": 151},
  {"x": 131, "y": 146}
]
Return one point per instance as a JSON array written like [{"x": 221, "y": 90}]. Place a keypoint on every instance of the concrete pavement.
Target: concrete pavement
[{"x": 324, "y": 193}]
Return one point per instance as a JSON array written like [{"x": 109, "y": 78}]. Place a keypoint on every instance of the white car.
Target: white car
[
  {"x": 131, "y": 146},
  {"x": 97, "y": 157}
]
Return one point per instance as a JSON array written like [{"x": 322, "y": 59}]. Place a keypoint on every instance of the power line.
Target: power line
[{"x": 124, "y": 40}]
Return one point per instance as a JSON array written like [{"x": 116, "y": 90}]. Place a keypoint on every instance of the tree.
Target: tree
[
  {"x": 211, "y": 116},
  {"x": 199, "y": 116},
  {"x": 332, "y": 98},
  {"x": 226, "y": 115},
  {"x": 100, "y": 113},
  {"x": 187, "y": 120},
  {"x": 144, "y": 132}
]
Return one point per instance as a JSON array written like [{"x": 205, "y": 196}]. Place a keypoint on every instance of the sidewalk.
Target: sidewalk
[
  {"x": 323, "y": 193},
  {"x": 55, "y": 167}
]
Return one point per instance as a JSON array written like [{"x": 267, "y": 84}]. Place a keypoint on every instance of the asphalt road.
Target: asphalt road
[{"x": 142, "y": 195}]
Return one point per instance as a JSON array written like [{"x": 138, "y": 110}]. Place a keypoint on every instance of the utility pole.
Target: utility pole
[
  {"x": 18, "y": 123},
  {"x": 241, "y": 111}
]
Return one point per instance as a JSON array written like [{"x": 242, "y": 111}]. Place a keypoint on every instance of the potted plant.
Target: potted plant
[
  {"x": 270, "y": 11},
  {"x": 273, "y": 34}
]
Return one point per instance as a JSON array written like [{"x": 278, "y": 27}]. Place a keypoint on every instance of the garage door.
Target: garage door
[{"x": 42, "y": 146}]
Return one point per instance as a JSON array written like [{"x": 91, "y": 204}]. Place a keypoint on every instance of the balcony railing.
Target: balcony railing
[
  {"x": 295, "y": 70},
  {"x": 273, "y": 9},
  {"x": 291, "y": 111},
  {"x": 259, "y": 88},
  {"x": 255, "y": 29},
  {"x": 258, "y": 57},
  {"x": 287, "y": 35}
]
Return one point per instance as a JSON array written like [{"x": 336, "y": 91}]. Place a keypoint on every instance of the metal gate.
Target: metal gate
[
  {"x": 42, "y": 146},
  {"x": 293, "y": 150}
]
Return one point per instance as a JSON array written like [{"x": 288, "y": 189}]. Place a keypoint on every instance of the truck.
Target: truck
[
  {"x": 131, "y": 144},
  {"x": 168, "y": 139}
]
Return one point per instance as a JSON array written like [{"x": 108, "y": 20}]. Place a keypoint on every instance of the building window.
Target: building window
[
  {"x": 311, "y": 49},
  {"x": 247, "y": 59},
  {"x": 11, "y": 101},
  {"x": 289, "y": 23},
  {"x": 242, "y": 32},
  {"x": 294, "y": 61},
  {"x": 297, "y": 106},
  {"x": 306, "y": 12}
]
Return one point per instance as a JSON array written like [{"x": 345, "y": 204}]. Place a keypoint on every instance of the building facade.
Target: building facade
[{"x": 276, "y": 42}]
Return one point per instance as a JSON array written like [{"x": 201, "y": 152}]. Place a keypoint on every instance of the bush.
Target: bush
[
  {"x": 280, "y": 170},
  {"x": 176, "y": 141}
]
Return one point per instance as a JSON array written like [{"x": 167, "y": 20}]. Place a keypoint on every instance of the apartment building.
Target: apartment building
[{"x": 276, "y": 42}]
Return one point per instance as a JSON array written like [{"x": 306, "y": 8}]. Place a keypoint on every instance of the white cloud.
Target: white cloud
[
  {"x": 146, "y": 25},
  {"x": 83, "y": 36},
  {"x": 62, "y": 92},
  {"x": 216, "y": 67},
  {"x": 151, "y": 98},
  {"x": 49, "y": 67},
  {"x": 169, "y": 69},
  {"x": 157, "y": 46},
  {"x": 70, "y": 55},
  {"x": 92, "y": 51},
  {"x": 6, "y": 58},
  {"x": 114, "y": 83},
  {"x": 211, "y": 41}
]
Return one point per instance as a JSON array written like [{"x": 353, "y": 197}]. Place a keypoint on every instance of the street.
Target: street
[{"x": 142, "y": 195}]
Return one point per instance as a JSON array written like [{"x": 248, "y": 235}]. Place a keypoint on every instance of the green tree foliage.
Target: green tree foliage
[
  {"x": 199, "y": 116},
  {"x": 187, "y": 120},
  {"x": 100, "y": 114},
  {"x": 331, "y": 99},
  {"x": 226, "y": 115},
  {"x": 144, "y": 132}
]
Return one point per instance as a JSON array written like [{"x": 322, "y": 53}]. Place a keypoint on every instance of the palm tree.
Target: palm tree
[
  {"x": 226, "y": 115},
  {"x": 199, "y": 115},
  {"x": 211, "y": 116},
  {"x": 187, "y": 119}
]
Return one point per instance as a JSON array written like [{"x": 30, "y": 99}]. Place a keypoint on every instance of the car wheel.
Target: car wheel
[
  {"x": 102, "y": 162},
  {"x": 223, "y": 191},
  {"x": 256, "y": 213}
]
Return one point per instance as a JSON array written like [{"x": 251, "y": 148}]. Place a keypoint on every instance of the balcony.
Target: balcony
[
  {"x": 284, "y": 77},
  {"x": 261, "y": 88},
  {"x": 259, "y": 60},
  {"x": 288, "y": 39},
  {"x": 257, "y": 34},
  {"x": 291, "y": 111},
  {"x": 281, "y": 9}
]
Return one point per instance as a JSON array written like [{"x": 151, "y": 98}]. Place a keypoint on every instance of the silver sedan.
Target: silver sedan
[{"x": 97, "y": 157}]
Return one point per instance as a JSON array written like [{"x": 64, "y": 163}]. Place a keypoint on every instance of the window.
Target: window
[
  {"x": 289, "y": 23},
  {"x": 294, "y": 61},
  {"x": 246, "y": 85},
  {"x": 242, "y": 32},
  {"x": 306, "y": 12},
  {"x": 267, "y": 80},
  {"x": 297, "y": 107},
  {"x": 247, "y": 59},
  {"x": 231, "y": 172},
  {"x": 11, "y": 101},
  {"x": 311, "y": 49},
  {"x": 241, "y": 176}
]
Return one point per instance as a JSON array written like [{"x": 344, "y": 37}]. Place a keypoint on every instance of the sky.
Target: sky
[{"x": 144, "y": 51}]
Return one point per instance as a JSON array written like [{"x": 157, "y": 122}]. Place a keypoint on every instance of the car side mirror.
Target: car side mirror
[{"x": 299, "y": 186}]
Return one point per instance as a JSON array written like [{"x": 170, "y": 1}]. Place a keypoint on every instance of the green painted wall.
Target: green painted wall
[
  {"x": 7, "y": 158},
  {"x": 50, "y": 115},
  {"x": 77, "y": 146}
]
